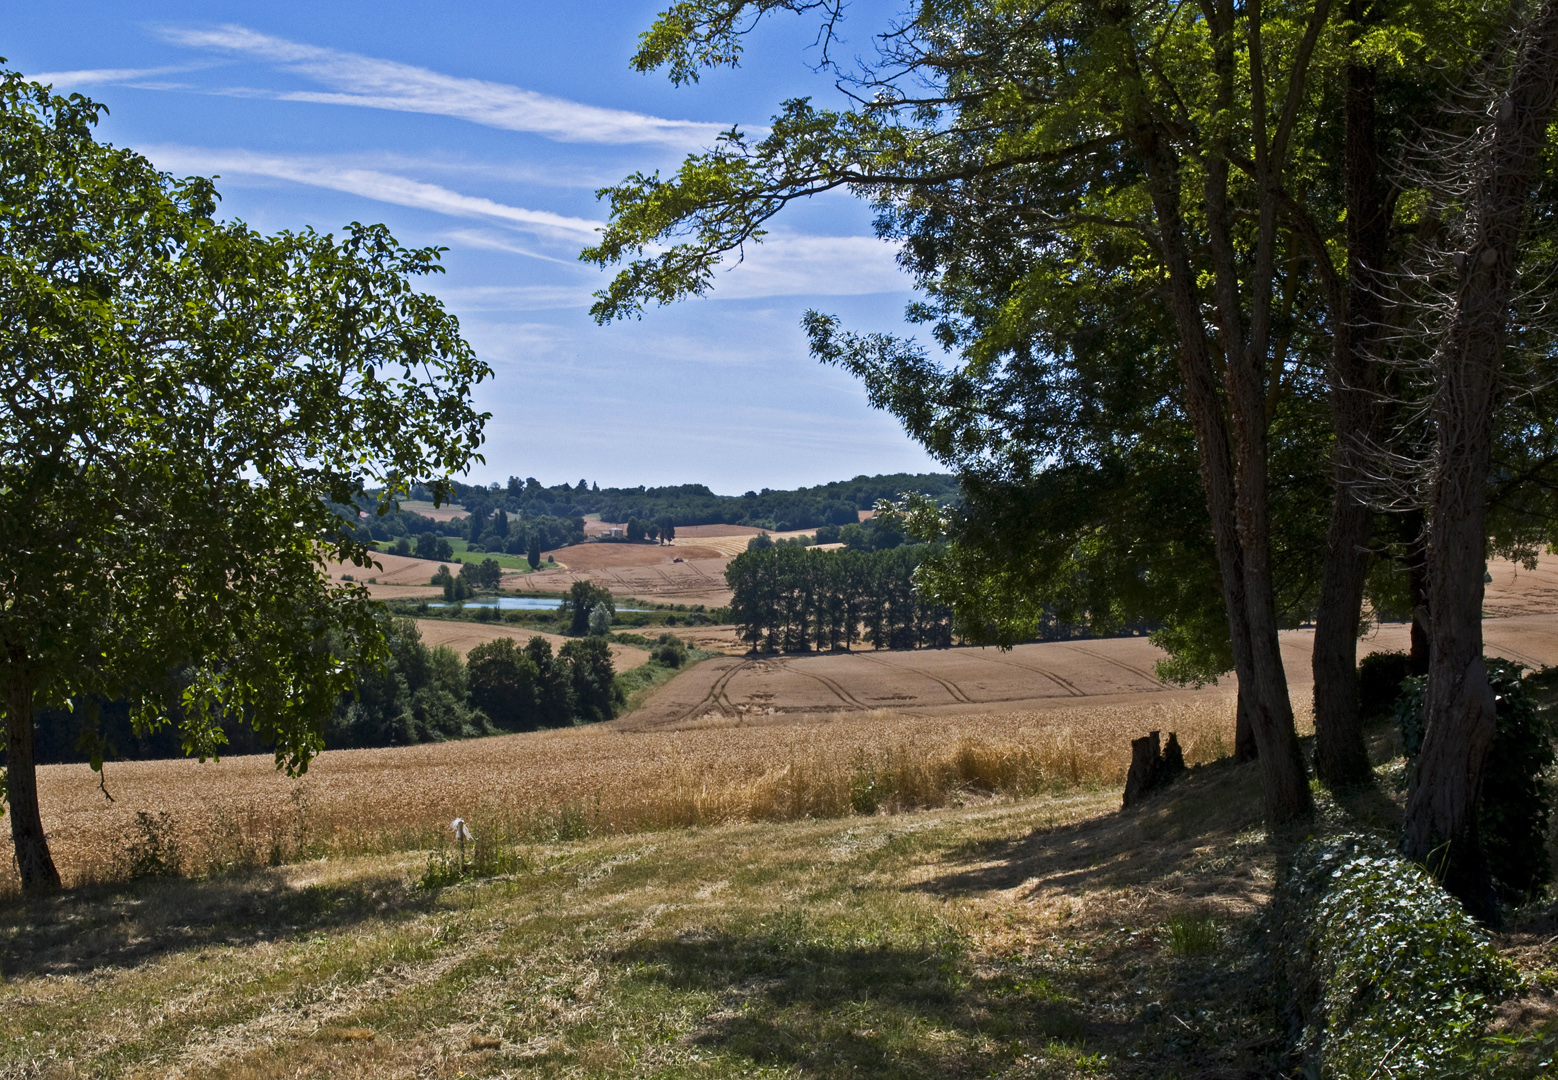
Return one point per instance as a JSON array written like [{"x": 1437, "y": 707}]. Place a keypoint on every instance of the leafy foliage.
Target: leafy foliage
[
  {"x": 1385, "y": 969},
  {"x": 418, "y": 696},
  {"x": 186, "y": 399},
  {"x": 1515, "y": 802}
]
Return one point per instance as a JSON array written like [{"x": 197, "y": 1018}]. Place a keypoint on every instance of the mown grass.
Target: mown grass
[
  {"x": 1043, "y": 936},
  {"x": 1010, "y": 939}
]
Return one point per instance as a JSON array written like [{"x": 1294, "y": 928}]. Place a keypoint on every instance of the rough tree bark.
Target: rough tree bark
[
  {"x": 1441, "y": 822},
  {"x": 1341, "y": 755},
  {"x": 33, "y": 860}
]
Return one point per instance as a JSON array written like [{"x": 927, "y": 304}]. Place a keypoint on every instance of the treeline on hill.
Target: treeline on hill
[
  {"x": 525, "y": 518},
  {"x": 422, "y": 695},
  {"x": 796, "y": 599},
  {"x": 837, "y": 503},
  {"x": 407, "y": 532}
]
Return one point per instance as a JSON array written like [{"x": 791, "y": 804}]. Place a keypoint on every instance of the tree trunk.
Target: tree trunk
[
  {"x": 1441, "y": 819},
  {"x": 1284, "y": 785},
  {"x": 33, "y": 861},
  {"x": 1233, "y": 470},
  {"x": 1244, "y": 748},
  {"x": 1341, "y": 755}
]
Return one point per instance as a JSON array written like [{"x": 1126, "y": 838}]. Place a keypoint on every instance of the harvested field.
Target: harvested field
[
  {"x": 693, "y": 581},
  {"x": 446, "y": 512},
  {"x": 733, "y": 545},
  {"x": 1515, "y": 590},
  {"x": 735, "y": 738},
  {"x": 684, "y": 532},
  {"x": 963, "y": 681},
  {"x": 462, "y": 637},
  {"x": 585, "y": 557},
  {"x": 396, "y": 576}
]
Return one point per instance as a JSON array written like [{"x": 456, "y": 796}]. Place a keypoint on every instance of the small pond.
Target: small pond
[{"x": 520, "y": 603}]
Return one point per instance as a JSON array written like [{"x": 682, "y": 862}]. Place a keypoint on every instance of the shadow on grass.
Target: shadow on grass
[
  {"x": 793, "y": 993},
  {"x": 125, "y": 925},
  {"x": 1171, "y": 833}
]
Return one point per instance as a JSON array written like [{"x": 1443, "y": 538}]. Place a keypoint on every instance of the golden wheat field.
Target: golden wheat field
[{"x": 240, "y": 811}]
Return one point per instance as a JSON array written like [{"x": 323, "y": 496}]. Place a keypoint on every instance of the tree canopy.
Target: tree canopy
[{"x": 185, "y": 399}]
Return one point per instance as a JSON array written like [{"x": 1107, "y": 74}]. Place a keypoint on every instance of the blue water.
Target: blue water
[{"x": 522, "y": 603}]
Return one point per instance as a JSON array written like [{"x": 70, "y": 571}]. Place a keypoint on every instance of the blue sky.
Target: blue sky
[{"x": 487, "y": 128}]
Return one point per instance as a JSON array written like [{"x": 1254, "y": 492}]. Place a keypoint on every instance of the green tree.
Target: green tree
[
  {"x": 596, "y": 695},
  {"x": 667, "y": 529},
  {"x": 1047, "y": 168},
  {"x": 505, "y": 684},
  {"x": 418, "y": 696},
  {"x": 583, "y": 597},
  {"x": 186, "y": 399},
  {"x": 557, "y": 701},
  {"x": 600, "y": 620},
  {"x": 533, "y": 554}
]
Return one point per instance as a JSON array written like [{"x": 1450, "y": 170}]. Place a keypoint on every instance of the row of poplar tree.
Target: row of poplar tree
[{"x": 793, "y": 599}]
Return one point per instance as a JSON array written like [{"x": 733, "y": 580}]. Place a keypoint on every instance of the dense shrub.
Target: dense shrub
[
  {"x": 1384, "y": 972},
  {"x": 669, "y": 651},
  {"x": 1514, "y": 803},
  {"x": 1380, "y": 675}
]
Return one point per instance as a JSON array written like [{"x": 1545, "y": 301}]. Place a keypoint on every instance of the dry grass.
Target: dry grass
[
  {"x": 241, "y": 812},
  {"x": 1017, "y": 939}
]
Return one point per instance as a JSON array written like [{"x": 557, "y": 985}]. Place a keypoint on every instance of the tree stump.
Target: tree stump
[
  {"x": 1146, "y": 769},
  {"x": 1152, "y": 767}
]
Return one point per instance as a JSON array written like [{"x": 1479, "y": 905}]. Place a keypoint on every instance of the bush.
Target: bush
[
  {"x": 1514, "y": 803},
  {"x": 669, "y": 651},
  {"x": 1379, "y": 683},
  {"x": 1385, "y": 973},
  {"x": 151, "y": 847}
]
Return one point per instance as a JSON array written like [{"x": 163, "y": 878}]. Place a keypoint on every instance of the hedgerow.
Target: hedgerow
[{"x": 1386, "y": 974}]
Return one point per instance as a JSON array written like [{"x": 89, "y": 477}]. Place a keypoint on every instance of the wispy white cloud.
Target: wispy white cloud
[
  {"x": 369, "y": 82},
  {"x": 784, "y": 264},
  {"x": 368, "y": 183},
  {"x": 490, "y": 241},
  {"x": 518, "y": 297},
  {"x": 101, "y": 76}
]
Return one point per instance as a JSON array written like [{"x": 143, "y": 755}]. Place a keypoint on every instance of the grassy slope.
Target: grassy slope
[
  {"x": 1013, "y": 939},
  {"x": 1050, "y": 937}
]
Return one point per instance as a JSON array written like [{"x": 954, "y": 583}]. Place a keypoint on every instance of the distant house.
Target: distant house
[{"x": 613, "y": 533}]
